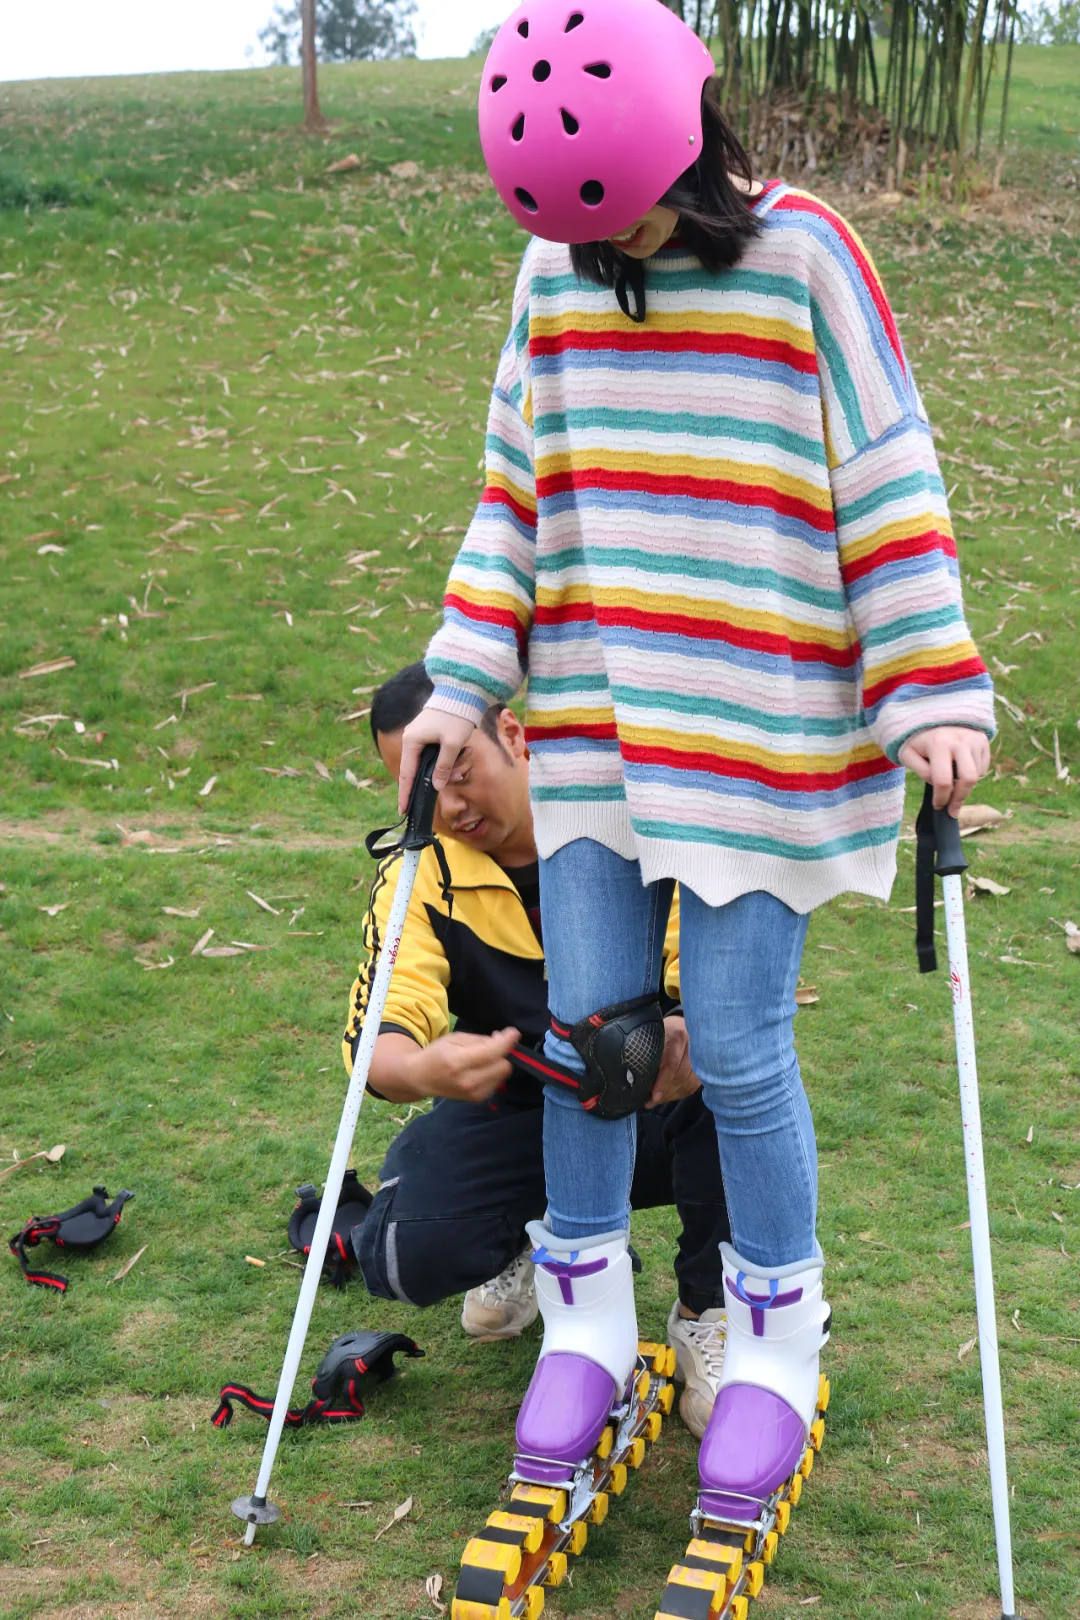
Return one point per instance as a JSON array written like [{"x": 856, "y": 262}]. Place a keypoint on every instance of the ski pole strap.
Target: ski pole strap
[
  {"x": 416, "y": 826},
  {"x": 938, "y": 852}
]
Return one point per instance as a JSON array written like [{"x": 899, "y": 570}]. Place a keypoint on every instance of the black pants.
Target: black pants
[{"x": 460, "y": 1182}]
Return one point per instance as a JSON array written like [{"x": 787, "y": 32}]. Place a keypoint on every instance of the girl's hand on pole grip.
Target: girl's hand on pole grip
[
  {"x": 451, "y": 733},
  {"x": 953, "y": 758}
]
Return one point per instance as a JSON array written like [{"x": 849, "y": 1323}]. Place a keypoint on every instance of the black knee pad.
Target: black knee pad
[{"x": 622, "y": 1046}]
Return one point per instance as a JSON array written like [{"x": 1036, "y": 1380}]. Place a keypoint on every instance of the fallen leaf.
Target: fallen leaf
[
  {"x": 223, "y": 950},
  {"x": 1019, "y": 961},
  {"x": 322, "y": 771},
  {"x": 974, "y": 817},
  {"x": 805, "y": 1602},
  {"x": 143, "y": 836},
  {"x": 399, "y": 1513},
  {"x": 356, "y": 1504},
  {"x": 405, "y": 171},
  {"x": 1072, "y": 938},
  {"x": 806, "y": 995},
  {"x": 124, "y": 1269},
  {"x": 52, "y": 666},
  {"x": 208, "y": 788},
  {"x": 1030, "y": 1137},
  {"x": 985, "y": 885},
  {"x": 264, "y": 904},
  {"x": 967, "y": 1346},
  {"x": 1061, "y": 771},
  {"x": 54, "y": 911},
  {"x": 53, "y": 1155},
  {"x": 344, "y": 165},
  {"x": 174, "y": 911},
  {"x": 155, "y": 967},
  {"x": 433, "y": 1587},
  {"x": 201, "y": 944}
]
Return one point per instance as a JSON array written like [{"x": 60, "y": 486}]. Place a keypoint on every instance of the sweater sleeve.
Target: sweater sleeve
[
  {"x": 898, "y": 562},
  {"x": 479, "y": 655}
]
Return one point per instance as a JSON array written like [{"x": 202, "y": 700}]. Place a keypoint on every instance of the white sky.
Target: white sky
[{"x": 88, "y": 37}]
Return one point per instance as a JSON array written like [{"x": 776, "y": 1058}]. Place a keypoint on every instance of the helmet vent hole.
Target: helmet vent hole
[
  {"x": 599, "y": 70},
  {"x": 498, "y": 81},
  {"x": 519, "y": 128},
  {"x": 541, "y": 71},
  {"x": 573, "y": 21},
  {"x": 569, "y": 122},
  {"x": 592, "y": 193},
  {"x": 526, "y": 199},
  {"x": 523, "y": 28}
]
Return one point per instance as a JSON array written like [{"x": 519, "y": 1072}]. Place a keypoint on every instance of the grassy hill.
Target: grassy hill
[{"x": 241, "y": 417}]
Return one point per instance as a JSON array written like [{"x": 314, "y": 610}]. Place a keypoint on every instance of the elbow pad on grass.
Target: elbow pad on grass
[
  {"x": 78, "y": 1230},
  {"x": 339, "y": 1262},
  {"x": 335, "y": 1389}
]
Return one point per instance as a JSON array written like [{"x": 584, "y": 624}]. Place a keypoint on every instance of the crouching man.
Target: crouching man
[{"x": 463, "y": 1177}]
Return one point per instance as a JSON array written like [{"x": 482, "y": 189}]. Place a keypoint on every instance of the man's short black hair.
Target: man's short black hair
[{"x": 400, "y": 699}]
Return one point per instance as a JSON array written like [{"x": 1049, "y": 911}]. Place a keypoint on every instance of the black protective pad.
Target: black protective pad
[
  {"x": 335, "y": 1396},
  {"x": 622, "y": 1046},
  {"x": 80, "y": 1228},
  {"x": 353, "y": 1205}
]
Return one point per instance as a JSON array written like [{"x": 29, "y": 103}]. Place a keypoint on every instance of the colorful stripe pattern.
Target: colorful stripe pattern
[{"x": 719, "y": 547}]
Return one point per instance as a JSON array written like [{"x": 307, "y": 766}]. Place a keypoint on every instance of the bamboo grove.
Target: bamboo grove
[{"x": 921, "y": 68}]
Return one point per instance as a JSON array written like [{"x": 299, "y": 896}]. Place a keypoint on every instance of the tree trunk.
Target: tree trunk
[{"x": 313, "y": 118}]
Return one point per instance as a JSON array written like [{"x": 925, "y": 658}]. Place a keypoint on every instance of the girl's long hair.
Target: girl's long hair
[{"x": 716, "y": 217}]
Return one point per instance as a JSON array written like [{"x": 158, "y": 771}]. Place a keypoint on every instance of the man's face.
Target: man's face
[{"x": 486, "y": 800}]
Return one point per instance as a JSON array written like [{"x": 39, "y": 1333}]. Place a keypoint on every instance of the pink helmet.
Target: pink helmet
[{"x": 589, "y": 111}]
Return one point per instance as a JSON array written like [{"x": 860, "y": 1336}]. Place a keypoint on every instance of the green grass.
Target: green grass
[{"x": 186, "y": 384}]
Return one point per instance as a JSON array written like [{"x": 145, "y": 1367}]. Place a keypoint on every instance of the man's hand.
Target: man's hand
[
  {"x": 468, "y": 1067},
  {"x": 676, "y": 1078},
  {"x": 952, "y": 757}
]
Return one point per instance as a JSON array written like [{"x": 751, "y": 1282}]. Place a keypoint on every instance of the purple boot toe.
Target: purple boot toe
[
  {"x": 562, "y": 1416},
  {"x": 754, "y": 1441}
]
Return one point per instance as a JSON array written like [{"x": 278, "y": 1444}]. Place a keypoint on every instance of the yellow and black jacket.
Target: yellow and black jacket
[{"x": 477, "y": 968}]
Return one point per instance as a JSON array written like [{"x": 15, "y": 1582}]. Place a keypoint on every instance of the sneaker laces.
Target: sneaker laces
[
  {"x": 508, "y": 1283},
  {"x": 709, "y": 1340}
]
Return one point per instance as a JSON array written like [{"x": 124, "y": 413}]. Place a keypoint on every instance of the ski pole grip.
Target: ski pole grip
[
  {"x": 950, "y": 850},
  {"x": 422, "y": 800}
]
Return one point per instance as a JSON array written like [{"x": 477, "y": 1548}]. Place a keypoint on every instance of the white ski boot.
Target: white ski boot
[
  {"x": 777, "y": 1323},
  {"x": 585, "y": 1289}
]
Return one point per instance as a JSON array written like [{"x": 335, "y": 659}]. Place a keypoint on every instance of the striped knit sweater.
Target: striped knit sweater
[{"x": 718, "y": 546}]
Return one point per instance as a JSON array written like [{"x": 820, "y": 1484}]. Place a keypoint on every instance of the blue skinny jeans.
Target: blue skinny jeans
[{"x": 738, "y": 968}]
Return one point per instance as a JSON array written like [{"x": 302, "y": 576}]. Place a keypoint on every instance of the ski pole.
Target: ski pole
[
  {"x": 256, "y": 1509},
  {"x": 939, "y": 851}
]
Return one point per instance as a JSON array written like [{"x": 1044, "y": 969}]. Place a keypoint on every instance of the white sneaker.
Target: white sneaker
[
  {"x": 699, "y": 1344},
  {"x": 503, "y": 1307}
]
